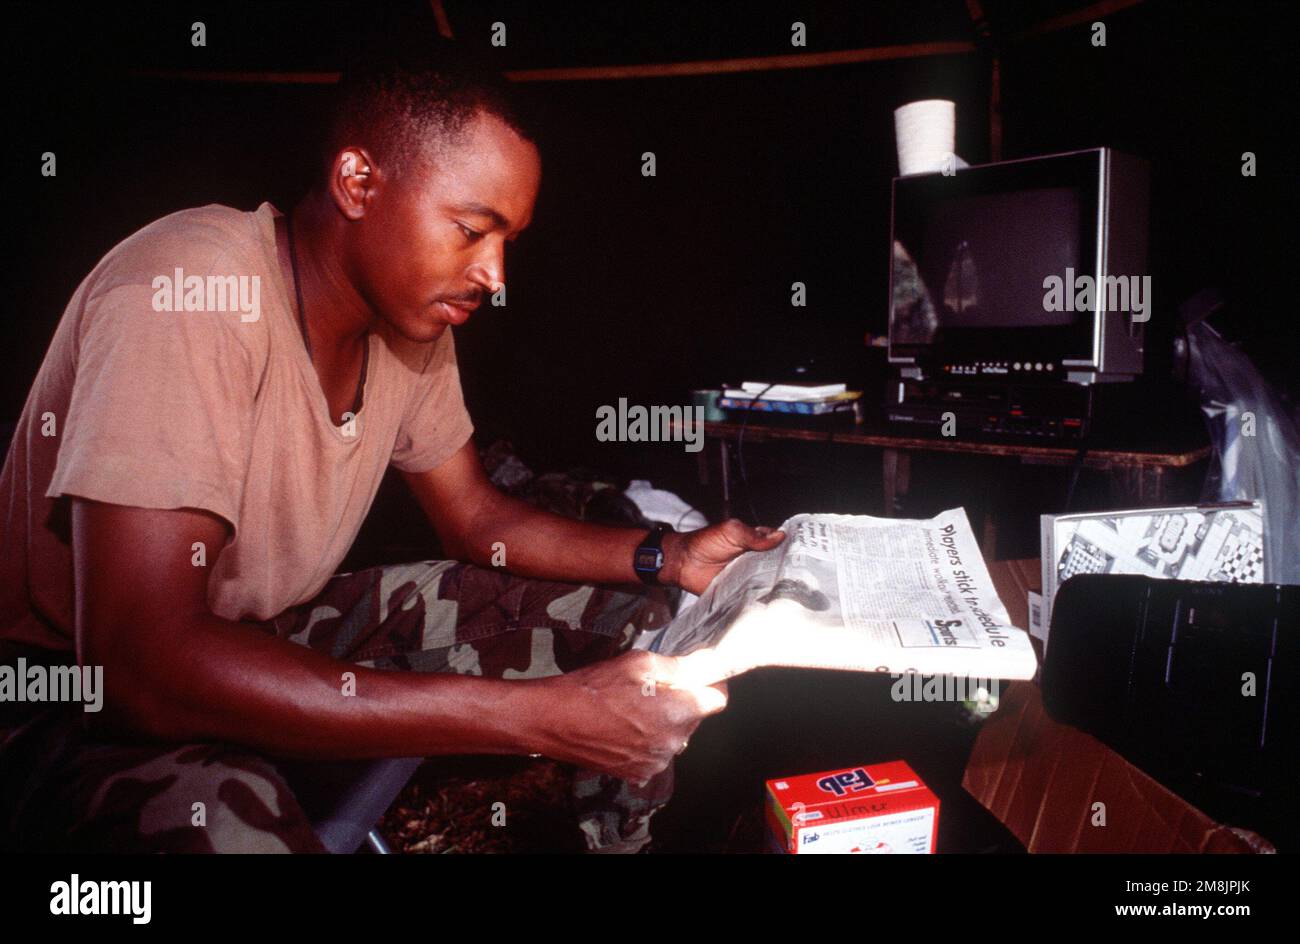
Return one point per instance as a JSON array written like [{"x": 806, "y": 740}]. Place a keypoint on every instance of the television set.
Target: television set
[{"x": 1024, "y": 271}]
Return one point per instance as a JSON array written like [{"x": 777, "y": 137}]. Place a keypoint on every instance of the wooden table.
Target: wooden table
[{"x": 1137, "y": 478}]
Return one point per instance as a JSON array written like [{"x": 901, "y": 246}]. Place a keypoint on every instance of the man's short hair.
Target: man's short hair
[{"x": 410, "y": 109}]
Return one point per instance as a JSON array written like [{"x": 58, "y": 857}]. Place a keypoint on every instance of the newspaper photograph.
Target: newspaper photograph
[{"x": 855, "y": 592}]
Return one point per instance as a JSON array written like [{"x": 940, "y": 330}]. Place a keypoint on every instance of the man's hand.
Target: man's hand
[
  {"x": 693, "y": 558},
  {"x": 622, "y": 716}
]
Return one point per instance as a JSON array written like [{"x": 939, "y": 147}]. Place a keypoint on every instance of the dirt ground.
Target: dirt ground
[{"x": 450, "y": 806}]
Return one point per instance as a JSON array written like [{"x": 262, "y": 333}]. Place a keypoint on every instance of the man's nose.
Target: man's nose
[{"x": 489, "y": 272}]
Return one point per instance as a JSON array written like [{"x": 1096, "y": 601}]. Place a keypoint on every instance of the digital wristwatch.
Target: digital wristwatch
[{"x": 648, "y": 559}]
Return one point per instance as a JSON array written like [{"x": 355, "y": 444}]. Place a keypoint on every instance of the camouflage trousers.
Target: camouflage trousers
[{"x": 62, "y": 789}]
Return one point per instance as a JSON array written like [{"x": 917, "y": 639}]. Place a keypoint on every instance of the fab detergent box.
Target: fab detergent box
[{"x": 872, "y": 808}]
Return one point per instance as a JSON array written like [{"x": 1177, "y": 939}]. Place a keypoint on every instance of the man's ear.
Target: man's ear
[{"x": 354, "y": 180}]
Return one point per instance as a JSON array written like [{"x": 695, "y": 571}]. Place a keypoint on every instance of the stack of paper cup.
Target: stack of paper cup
[{"x": 925, "y": 132}]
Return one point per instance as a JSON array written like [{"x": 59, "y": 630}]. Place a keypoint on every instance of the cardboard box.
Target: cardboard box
[
  {"x": 1058, "y": 789},
  {"x": 872, "y": 808},
  {"x": 1043, "y": 780}
]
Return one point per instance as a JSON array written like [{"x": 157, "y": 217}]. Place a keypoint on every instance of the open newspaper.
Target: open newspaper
[{"x": 853, "y": 592}]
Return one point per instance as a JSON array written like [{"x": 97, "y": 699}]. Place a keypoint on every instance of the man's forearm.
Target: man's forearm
[
  {"x": 527, "y": 541},
  {"x": 233, "y": 682}
]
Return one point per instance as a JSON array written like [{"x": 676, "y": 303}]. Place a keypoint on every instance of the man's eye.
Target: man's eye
[{"x": 471, "y": 235}]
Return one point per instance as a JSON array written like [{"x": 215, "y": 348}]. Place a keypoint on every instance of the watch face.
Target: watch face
[{"x": 648, "y": 558}]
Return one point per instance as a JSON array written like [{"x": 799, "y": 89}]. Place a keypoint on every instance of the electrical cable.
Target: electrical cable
[
  {"x": 740, "y": 451},
  {"x": 1077, "y": 465}
]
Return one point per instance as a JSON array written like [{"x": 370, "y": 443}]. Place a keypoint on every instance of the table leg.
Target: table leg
[
  {"x": 1139, "y": 486},
  {"x": 993, "y": 490},
  {"x": 724, "y": 476},
  {"x": 895, "y": 472},
  {"x": 1154, "y": 486},
  {"x": 1118, "y": 486}
]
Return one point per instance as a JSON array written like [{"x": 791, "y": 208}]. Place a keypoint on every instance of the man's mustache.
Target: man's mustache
[{"x": 464, "y": 301}]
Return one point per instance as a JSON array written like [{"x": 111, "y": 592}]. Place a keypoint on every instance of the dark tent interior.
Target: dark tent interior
[{"x": 773, "y": 166}]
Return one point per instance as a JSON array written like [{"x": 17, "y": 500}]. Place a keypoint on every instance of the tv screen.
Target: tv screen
[
  {"x": 983, "y": 258},
  {"x": 971, "y": 252},
  {"x": 979, "y": 261}
]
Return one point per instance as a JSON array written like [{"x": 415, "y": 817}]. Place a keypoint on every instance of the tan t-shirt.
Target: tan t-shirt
[{"x": 212, "y": 409}]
